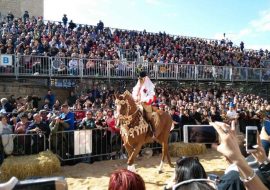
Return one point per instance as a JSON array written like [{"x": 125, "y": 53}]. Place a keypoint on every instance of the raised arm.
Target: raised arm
[{"x": 230, "y": 149}]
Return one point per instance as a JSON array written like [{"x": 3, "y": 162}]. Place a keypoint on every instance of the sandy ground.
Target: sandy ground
[{"x": 96, "y": 176}]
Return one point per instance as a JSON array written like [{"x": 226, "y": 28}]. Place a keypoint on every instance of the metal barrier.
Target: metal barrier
[
  {"x": 26, "y": 144},
  {"x": 167, "y": 71},
  {"x": 71, "y": 67},
  {"x": 33, "y": 65},
  {"x": 95, "y": 68},
  {"x": 254, "y": 74},
  {"x": 239, "y": 74},
  {"x": 86, "y": 145},
  {"x": 120, "y": 69},
  {"x": 205, "y": 72},
  {"x": 95, "y": 144},
  {"x": 186, "y": 71}
]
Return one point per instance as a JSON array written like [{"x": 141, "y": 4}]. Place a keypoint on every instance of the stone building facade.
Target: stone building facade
[{"x": 18, "y": 7}]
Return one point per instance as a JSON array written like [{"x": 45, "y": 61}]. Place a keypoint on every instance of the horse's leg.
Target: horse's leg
[
  {"x": 162, "y": 158},
  {"x": 131, "y": 159},
  {"x": 165, "y": 153},
  {"x": 168, "y": 154},
  {"x": 129, "y": 150}
]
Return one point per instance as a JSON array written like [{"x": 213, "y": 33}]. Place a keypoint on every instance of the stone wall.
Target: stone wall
[
  {"x": 17, "y": 7},
  {"x": 19, "y": 89}
]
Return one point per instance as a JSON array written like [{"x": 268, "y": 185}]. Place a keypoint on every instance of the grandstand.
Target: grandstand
[{"x": 64, "y": 56}]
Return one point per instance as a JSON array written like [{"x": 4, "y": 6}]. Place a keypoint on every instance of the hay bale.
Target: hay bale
[
  {"x": 42, "y": 164},
  {"x": 186, "y": 149}
]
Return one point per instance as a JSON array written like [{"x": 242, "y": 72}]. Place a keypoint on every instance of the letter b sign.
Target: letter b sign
[{"x": 6, "y": 60}]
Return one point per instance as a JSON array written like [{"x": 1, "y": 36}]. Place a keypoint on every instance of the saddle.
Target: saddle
[{"x": 151, "y": 117}]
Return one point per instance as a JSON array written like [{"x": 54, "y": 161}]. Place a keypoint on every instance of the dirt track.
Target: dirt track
[{"x": 96, "y": 176}]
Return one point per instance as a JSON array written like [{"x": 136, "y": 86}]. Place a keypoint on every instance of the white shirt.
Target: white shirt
[{"x": 144, "y": 92}]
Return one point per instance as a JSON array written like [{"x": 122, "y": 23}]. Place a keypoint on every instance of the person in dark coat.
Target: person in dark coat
[{"x": 65, "y": 20}]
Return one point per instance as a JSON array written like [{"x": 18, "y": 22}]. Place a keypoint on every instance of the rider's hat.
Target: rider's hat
[{"x": 142, "y": 74}]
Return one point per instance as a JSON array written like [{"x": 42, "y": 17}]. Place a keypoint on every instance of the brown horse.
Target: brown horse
[{"x": 135, "y": 130}]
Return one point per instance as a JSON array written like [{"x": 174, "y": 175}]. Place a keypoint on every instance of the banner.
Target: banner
[
  {"x": 82, "y": 142},
  {"x": 6, "y": 60}
]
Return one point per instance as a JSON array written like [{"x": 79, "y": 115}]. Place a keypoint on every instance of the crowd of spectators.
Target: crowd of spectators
[
  {"x": 46, "y": 116},
  {"x": 245, "y": 172},
  {"x": 94, "y": 109},
  {"x": 34, "y": 36}
]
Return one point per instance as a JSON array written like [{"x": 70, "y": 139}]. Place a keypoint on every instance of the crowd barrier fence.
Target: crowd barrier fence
[
  {"x": 83, "y": 145},
  {"x": 70, "y": 67}
]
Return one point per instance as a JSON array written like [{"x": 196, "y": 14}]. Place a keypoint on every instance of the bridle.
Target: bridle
[{"x": 125, "y": 118}]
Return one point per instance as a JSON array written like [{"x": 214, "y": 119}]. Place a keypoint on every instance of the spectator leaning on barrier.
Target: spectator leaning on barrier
[
  {"x": 38, "y": 128},
  {"x": 73, "y": 65},
  {"x": 22, "y": 125},
  {"x": 88, "y": 122},
  {"x": 67, "y": 117},
  {"x": 103, "y": 134},
  {"x": 111, "y": 123}
]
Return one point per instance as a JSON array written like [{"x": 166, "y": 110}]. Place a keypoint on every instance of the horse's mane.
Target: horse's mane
[{"x": 128, "y": 95}]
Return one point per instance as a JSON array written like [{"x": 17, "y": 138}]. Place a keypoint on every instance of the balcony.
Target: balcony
[{"x": 30, "y": 66}]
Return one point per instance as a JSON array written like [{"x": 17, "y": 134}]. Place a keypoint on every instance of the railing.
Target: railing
[
  {"x": 26, "y": 144},
  {"x": 86, "y": 144},
  {"x": 94, "y": 144},
  {"x": 67, "y": 67}
]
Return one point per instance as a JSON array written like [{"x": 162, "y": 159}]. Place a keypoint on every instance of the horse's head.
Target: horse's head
[{"x": 125, "y": 105}]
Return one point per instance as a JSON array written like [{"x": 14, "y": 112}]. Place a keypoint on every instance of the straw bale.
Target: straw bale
[
  {"x": 186, "y": 149},
  {"x": 42, "y": 164}
]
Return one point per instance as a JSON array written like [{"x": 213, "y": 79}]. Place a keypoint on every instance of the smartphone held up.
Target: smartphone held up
[
  {"x": 251, "y": 138},
  {"x": 205, "y": 134}
]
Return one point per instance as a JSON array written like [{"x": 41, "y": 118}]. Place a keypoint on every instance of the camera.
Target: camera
[
  {"x": 200, "y": 134},
  {"x": 251, "y": 138}
]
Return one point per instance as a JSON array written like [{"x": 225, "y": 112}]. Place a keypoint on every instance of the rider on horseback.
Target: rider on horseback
[{"x": 144, "y": 94}]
